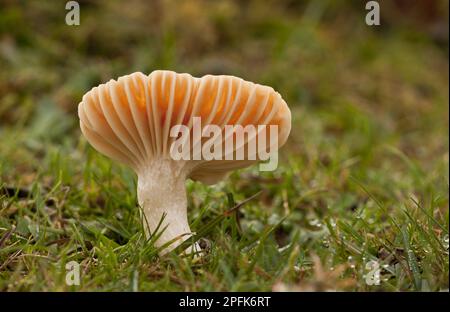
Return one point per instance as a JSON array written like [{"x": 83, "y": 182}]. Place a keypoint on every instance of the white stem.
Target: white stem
[{"x": 161, "y": 190}]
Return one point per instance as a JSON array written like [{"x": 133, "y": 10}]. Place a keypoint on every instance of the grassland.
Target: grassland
[{"x": 363, "y": 177}]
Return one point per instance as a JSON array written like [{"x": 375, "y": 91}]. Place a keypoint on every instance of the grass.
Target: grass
[{"x": 363, "y": 177}]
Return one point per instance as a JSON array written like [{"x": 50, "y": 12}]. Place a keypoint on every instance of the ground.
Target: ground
[{"x": 362, "y": 182}]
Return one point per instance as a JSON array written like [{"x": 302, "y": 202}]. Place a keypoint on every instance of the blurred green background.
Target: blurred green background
[
  {"x": 320, "y": 55},
  {"x": 369, "y": 104}
]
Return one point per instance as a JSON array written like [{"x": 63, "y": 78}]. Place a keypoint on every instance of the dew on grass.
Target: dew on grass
[
  {"x": 445, "y": 241},
  {"x": 351, "y": 262},
  {"x": 326, "y": 241},
  {"x": 282, "y": 249},
  {"x": 315, "y": 222},
  {"x": 332, "y": 223}
]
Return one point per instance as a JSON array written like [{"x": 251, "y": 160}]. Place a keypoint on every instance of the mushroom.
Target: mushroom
[{"x": 137, "y": 120}]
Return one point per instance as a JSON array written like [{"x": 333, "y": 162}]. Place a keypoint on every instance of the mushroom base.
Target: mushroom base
[{"x": 161, "y": 192}]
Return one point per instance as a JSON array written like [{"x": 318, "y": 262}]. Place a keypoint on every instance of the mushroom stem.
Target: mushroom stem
[{"x": 161, "y": 191}]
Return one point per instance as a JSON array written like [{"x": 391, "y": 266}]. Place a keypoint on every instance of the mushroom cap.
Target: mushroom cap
[{"x": 129, "y": 120}]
